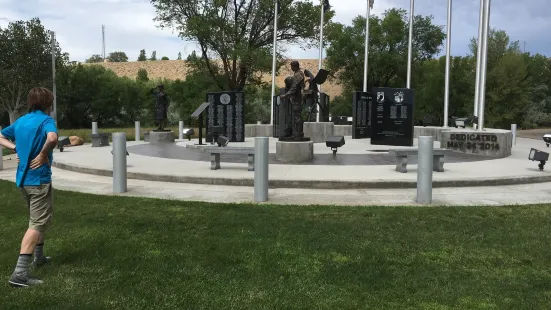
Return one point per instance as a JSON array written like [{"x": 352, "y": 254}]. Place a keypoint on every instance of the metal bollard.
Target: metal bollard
[
  {"x": 119, "y": 162},
  {"x": 424, "y": 170},
  {"x": 514, "y": 131},
  {"x": 137, "y": 134},
  {"x": 1, "y": 155},
  {"x": 94, "y": 128},
  {"x": 181, "y": 130},
  {"x": 261, "y": 157}
]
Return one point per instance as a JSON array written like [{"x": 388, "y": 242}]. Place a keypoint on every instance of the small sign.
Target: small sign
[
  {"x": 225, "y": 99},
  {"x": 380, "y": 97}
]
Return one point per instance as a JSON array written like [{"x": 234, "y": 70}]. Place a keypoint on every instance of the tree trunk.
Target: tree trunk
[{"x": 13, "y": 116}]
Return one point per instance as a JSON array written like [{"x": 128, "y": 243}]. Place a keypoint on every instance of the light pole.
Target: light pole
[
  {"x": 52, "y": 34},
  {"x": 274, "y": 61},
  {"x": 366, "y": 56},
  {"x": 410, "y": 52}
]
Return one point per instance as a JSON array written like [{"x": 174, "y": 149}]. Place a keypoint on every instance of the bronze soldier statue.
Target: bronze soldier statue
[
  {"x": 295, "y": 95},
  {"x": 161, "y": 106}
]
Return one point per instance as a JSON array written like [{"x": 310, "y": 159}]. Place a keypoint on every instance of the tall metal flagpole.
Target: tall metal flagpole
[
  {"x": 410, "y": 52},
  {"x": 52, "y": 33},
  {"x": 321, "y": 51},
  {"x": 274, "y": 61},
  {"x": 478, "y": 57},
  {"x": 366, "y": 56},
  {"x": 448, "y": 52},
  {"x": 482, "y": 92}
]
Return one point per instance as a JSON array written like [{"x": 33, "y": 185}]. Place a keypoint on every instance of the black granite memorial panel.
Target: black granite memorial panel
[
  {"x": 361, "y": 110},
  {"x": 227, "y": 109},
  {"x": 392, "y": 121}
]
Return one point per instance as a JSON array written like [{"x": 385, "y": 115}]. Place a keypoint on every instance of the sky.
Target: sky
[{"x": 130, "y": 27}]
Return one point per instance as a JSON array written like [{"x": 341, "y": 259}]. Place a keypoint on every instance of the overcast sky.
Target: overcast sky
[{"x": 130, "y": 28}]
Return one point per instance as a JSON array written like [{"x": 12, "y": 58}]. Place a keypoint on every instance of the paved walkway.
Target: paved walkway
[
  {"x": 465, "y": 196},
  {"x": 516, "y": 169},
  {"x": 462, "y": 196}
]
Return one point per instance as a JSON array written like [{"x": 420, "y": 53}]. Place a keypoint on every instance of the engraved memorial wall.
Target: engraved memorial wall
[{"x": 227, "y": 109}]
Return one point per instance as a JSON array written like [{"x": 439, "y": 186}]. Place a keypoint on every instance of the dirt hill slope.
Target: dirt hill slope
[{"x": 177, "y": 69}]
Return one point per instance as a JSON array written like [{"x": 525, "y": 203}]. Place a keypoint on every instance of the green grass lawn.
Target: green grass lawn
[{"x": 130, "y": 253}]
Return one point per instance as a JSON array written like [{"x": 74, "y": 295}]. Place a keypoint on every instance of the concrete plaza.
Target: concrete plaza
[{"x": 512, "y": 180}]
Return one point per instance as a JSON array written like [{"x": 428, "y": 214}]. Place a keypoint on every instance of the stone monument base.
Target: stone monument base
[
  {"x": 495, "y": 143},
  {"x": 318, "y": 132},
  {"x": 294, "y": 151},
  {"x": 156, "y": 137}
]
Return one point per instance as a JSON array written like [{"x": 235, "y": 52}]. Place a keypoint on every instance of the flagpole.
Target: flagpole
[
  {"x": 483, "y": 68},
  {"x": 366, "y": 56},
  {"x": 410, "y": 53},
  {"x": 478, "y": 58},
  {"x": 448, "y": 52},
  {"x": 274, "y": 62},
  {"x": 321, "y": 52}
]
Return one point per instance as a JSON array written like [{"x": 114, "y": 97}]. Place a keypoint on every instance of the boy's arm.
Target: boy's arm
[
  {"x": 51, "y": 141},
  {"x": 6, "y": 135}
]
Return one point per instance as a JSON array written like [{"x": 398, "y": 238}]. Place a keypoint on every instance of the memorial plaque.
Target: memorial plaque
[
  {"x": 361, "y": 120},
  {"x": 226, "y": 109},
  {"x": 282, "y": 115},
  {"x": 325, "y": 105},
  {"x": 392, "y": 116}
]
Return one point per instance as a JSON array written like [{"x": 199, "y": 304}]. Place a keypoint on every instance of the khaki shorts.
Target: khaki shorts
[{"x": 40, "y": 204}]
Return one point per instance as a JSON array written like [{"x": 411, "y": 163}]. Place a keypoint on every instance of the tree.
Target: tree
[
  {"x": 94, "y": 59},
  {"x": 25, "y": 62},
  {"x": 179, "y": 56},
  {"x": 164, "y": 58},
  {"x": 117, "y": 57},
  {"x": 142, "y": 56},
  {"x": 142, "y": 75},
  {"x": 235, "y": 37},
  {"x": 388, "y": 46},
  {"x": 153, "y": 56}
]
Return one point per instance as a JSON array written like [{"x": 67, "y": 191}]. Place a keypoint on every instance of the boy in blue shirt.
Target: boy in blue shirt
[{"x": 35, "y": 137}]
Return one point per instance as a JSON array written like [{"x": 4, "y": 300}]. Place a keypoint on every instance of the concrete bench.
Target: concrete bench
[
  {"x": 402, "y": 158},
  {"x": 216, "y": 151},
  {"x": 100, "y": 139}
]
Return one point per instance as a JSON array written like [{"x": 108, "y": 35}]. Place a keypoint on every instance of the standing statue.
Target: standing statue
[
  {"x": 294, "y": 93},
  {"x": 161, "y": 106}
]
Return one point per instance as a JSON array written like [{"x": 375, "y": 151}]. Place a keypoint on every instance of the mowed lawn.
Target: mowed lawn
[{"x": 130, "y": 253}]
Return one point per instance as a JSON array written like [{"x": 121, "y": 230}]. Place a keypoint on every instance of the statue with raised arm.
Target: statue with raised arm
[{"x": 161, "y": 106}]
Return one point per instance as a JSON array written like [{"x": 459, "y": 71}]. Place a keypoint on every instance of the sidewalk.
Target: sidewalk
[
  {"x": 516, "y": 169},
  {"x": 465, "y": 196}
]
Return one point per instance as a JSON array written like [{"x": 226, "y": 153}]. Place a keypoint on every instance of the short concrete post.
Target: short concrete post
[
  {"x": 119, "y": 162},
  {"x": 1, "y": 155},
  {"x": 424, "y": 170},
  {"x": 137, "y": 134},
  {"x": 94, "y": 128},
  {"x": 514, "y": 131},
  {"x": 181, "y": 130},
  {"x": 261, "y": 157}
]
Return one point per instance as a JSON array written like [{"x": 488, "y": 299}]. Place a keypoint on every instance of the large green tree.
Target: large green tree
[
  {"x": 117, "y": 57},
  {"x": 388, "y": 49},
  {"x": 235, "y": 36},
  {"x": 94, "y": 59},
  {"x": 25, "y": 62}
]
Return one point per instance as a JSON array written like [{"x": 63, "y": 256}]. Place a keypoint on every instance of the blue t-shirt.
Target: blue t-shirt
[{"x": 29, "y": 133}]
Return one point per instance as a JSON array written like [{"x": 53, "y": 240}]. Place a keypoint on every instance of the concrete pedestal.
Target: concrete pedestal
[
  {"x": 318, "y": 132},
  {"x": 156, "y": 137},
  {"x": 342, "y": 130},
  {"x": 495, "y": 143},
  {"x": 294, "y": 152}
]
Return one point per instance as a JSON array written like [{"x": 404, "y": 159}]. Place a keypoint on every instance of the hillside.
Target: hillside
[{"x": 177, "y": 69}]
